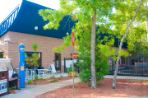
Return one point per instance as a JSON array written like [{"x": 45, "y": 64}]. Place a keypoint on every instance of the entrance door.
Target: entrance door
[{"x": 58, "y": 62}]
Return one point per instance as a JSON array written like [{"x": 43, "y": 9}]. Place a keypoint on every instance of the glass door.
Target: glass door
[{"x": 58, "y": 62}]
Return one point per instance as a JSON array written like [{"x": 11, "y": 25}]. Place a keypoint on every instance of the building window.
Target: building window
[
  {"x": 58, "y": 61},
  {"x": 1, "y": 55},
  {"x": 29, "y": 59}
]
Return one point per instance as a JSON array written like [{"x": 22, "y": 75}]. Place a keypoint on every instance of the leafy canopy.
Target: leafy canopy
[
  {"x": 123, "y": 14},
  {"x": 81, "y": 12},
  {"x": 112, "y": 19}
]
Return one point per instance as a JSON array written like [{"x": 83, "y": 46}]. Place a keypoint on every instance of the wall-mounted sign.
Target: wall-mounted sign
[{"x": 22, "y": 68}]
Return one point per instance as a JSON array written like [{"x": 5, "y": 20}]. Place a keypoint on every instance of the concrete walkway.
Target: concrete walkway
[{"x": 35, "y": 90}]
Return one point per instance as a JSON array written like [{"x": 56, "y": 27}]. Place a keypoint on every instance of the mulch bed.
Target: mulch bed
[{"x": 125, "y": 88}]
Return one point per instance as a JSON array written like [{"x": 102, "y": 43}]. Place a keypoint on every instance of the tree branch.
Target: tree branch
[{"x": 121, "y": 44}]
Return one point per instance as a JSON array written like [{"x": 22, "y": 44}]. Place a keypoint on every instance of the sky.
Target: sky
[{"x": 6, "y": 6}]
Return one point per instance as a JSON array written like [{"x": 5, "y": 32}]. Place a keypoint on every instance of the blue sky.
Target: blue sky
[{"x": 6, "y": 6}]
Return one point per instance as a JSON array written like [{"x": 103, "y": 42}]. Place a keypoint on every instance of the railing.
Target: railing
[
  {"x": 32, "y": 74},
  {"x": 4, "y": 25},
  {"x": 139, "y": 69}
]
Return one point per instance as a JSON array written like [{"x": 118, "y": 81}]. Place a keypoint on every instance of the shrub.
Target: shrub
[
  {"x": 102, "y": 66},
  {"x": 29, "y": 82}
]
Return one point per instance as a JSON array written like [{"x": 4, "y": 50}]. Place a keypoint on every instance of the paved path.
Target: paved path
[{"x": 35, "y": 90}]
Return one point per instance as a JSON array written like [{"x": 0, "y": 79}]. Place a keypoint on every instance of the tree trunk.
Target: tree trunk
[
  {"x": 147, "y": 25},
  {"x": 147, "y": 30},
  {"x": 93, "y": 46},
  {"x": 121, "y": 44}
]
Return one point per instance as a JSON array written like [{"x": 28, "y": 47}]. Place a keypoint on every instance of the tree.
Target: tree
[
  {"x": 129, "y": 25},
  {"x": 88, "y": 15},
  {"x": 93, "y": 46}
]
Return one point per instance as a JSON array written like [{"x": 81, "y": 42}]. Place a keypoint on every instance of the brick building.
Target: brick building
[{"x": 24, "y": 25}]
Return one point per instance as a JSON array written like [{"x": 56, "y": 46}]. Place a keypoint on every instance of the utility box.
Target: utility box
[
  {"x": 3, "y": 82},
  {"x": 3, "y": 77}
]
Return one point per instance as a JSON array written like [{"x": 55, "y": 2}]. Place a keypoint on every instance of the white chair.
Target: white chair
[{"x": 52, "y": 68}]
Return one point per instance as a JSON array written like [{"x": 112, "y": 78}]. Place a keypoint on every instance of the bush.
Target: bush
[
  {"x": 85, "y": 75},
  {"x": 69, "y": 69},
  {"x": 29, "y": 82},
  {"x": 102, "y": 67}
]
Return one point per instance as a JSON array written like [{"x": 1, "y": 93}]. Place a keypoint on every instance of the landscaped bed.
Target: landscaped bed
[{"x": 125, "y": 88}]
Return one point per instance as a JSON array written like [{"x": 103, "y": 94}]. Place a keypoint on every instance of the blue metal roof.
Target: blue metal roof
[{"x": 27, "y": 18}]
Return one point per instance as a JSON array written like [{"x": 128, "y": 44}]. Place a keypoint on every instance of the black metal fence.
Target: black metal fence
[{"x": 138, "y": 69}]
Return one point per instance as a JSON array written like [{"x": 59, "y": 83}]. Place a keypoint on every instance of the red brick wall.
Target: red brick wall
[{"x": 46, "y": 45}]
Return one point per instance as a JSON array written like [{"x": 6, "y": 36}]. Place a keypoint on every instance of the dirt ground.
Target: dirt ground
[{"x": 125, "y": 88}]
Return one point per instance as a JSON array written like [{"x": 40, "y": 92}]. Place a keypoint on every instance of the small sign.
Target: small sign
[
  {"x": 74, "y": 55},
  {"x": 22, "y": 68}
]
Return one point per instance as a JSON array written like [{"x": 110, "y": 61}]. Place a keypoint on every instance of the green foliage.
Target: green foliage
[
  {"x": 28, "y": 61},
  {"x": 34, "y": 47},
  {"x": 81, "y": 11},
  {"x": 33, "y": 60},
  {"x": 85, "y": 75},
  {"x": 103, "y": 52},
  {"x": 36, "y": 77},
  {"x": 122, "y": 15},
  {"x": 60, "y": 48},
  {"x": 124, "y": 53},
  {"x": 102, "y": 67},
  {"x": 141, "y": 48},
  {"x": 35, "y": 56},
  {"x": 29, "y": 81},
  {"x": 69, "y": 69},
  {"x": 112, "y": 19}
]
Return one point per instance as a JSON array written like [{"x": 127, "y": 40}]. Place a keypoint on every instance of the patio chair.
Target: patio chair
[
  {"x": 52, "y": 69},
  {"x": 42, "y": 73}
]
